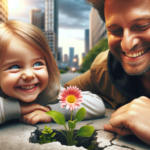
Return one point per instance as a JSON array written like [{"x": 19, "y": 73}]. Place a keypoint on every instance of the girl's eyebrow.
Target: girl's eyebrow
[
  {"x": 9, "y": 63},
  {"x": 15, "y": 62}
]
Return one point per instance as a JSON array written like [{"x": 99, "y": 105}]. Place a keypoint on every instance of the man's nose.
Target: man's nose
[
  {"x": 28, "y": 74},
  {"x": 129, "y": 40}
]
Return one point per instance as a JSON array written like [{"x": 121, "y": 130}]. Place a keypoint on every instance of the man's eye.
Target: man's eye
[
  {"x": 141, "y": 27},
  {"x": 14, "y": 67},
  {"x": 38, "y": 64},
  {"x": 116, "y": 32}
]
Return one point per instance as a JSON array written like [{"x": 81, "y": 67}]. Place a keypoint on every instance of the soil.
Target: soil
[{"x": 82, "y": 141}]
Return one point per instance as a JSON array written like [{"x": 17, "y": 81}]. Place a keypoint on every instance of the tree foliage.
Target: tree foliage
[{"x": 89, "y": 58}]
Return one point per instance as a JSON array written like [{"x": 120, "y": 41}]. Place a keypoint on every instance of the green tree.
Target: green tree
[{"x": 89, "y": 58}]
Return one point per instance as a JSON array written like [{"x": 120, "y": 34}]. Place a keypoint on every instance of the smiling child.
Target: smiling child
[{"x": 29, "y": 77}]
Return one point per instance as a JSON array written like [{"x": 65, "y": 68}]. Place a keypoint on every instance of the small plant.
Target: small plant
[
  {"x": 92, "y": 146},
  {"x": 71, "y": 98},
  {"x": 46, "y": 136}
]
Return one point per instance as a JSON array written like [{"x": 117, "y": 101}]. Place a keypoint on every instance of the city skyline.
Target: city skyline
[{"x": 73, "y": 20}]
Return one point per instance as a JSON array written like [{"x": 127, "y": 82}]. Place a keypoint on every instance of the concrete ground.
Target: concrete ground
[{"x": 15, "y": 135}]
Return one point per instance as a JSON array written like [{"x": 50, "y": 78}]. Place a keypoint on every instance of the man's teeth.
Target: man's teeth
[
  {"x": 28, "y": 87},
  {"x": 135, "y": 54}
]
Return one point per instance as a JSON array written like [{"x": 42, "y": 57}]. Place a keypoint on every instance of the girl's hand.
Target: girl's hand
[
  {"x": 35, "y": 117},
  {"x": 29, "y": 107}
]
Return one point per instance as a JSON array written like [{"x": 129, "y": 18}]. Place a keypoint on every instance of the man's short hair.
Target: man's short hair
[{"x": 99, "y": 6}]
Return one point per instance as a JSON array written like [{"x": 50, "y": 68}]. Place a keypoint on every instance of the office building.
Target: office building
[
  {"x": 97, "y": 28},
  {"x": 37, "y": 18},
  {"x": 59, "y": 56},
  {"x": 65, "y": 58},
  {"x": 3, "y": 10},
  {"x": 87, "y": 41},
  {"x": 71, "y": 56},
  {"x": 51, "y": 23},
  {"x": 83, "y": 55},
  {"x": 76, "y": 61}
]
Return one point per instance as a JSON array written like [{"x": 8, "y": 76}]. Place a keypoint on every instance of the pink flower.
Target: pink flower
[{"x": 71, "y": 98}]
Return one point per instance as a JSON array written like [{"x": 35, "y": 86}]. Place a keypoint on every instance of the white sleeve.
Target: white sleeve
[
  {"x": 2, "y": 116},
  {"x": 91, "y": 102},
  {"x": 9, "y": 109}
]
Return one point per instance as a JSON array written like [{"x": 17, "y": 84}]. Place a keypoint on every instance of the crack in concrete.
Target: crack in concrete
[
  {"x": 95, "y": 138},
  {"x": 115, "y": 136}
]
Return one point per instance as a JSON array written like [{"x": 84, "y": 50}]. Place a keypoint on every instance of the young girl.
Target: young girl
[{"x": 29, "y": 77}]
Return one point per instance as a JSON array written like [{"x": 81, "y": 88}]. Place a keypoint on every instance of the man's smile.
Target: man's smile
[{"x": 136, "y": 54}]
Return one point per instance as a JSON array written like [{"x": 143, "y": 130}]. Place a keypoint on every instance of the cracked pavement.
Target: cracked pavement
[{"x": 15, "y": 136}]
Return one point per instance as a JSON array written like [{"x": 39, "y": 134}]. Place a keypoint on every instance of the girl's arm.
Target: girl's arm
[
  {"x": 9, "y": 109},
  {"x": 93, "y": 104}
]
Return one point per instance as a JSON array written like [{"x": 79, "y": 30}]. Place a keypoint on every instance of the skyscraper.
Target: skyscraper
[
  {"x": 3, "y": 10},
  {"x": 51, "y": 23},
  {"x": 71, "y": 56},
  {"x": 86, "y": 41},
  {"x": 59, "y": 57},
  {"x": 37, "y": 18},
  {"x": 65, "y": 58},
  {"x": 97, "y": 28}
]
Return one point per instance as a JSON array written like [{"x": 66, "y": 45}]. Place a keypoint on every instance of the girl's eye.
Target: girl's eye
[
  {"x": 38, "y": 64},
  {"x": 14, "y": 67}
]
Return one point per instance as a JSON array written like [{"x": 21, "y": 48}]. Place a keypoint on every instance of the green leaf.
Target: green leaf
[
  {"x": 86, "y": 131},
  {"x": 52, "y": 135},
  {"x": 53, "y": 140},
  {"x": 71, "y": 124},
  {"x": 57, "y": 116},
  {"x": 75, "y": 142},
  {"x": 63, "y": 133},
  {"x": 80, "y": 114},
  {"x": 44, "y": 132}
]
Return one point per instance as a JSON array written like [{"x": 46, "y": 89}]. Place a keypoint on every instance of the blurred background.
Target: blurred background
[{"x": 74, "y": 30}]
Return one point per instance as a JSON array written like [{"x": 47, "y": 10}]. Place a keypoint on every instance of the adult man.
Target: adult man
[{"x": 121, "y": 76}]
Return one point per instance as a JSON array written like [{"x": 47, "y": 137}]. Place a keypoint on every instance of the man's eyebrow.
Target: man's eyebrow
[
  {"x": 110, "y": 26},
  {"x": 141, "y": 19}
]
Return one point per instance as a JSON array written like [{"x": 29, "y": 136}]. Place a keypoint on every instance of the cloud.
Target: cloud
[{"x": 74, "y": 14}]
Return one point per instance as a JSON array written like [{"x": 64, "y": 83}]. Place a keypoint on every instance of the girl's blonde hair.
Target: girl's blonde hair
[{"x": 31, "y": 36}]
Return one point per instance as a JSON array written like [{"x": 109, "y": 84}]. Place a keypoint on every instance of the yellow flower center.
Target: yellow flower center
[{"x": 71, "y": 98}]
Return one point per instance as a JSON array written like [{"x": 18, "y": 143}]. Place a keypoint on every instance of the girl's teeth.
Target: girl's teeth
[{"x": 28, "y": 87}]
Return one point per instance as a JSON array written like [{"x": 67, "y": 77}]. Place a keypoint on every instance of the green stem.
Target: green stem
[
  {"x": 66, "y": 130},
  {"x": 71, "y": 115}
]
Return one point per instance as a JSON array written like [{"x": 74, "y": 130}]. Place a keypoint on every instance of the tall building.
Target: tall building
[
  {"x": 37, "y": 18},
  {"x": 65, "y": 58},
  {"x": 71, "y": 56},
  {"x": 51, "y": 23},
  {"x": 59, "y": 56},
  {"x": 86, "y": 41},
  {"x": 3, "y": 10},
  {"x": 97, "y": 28},
  {"x": 76, "y": 61},
  {"x": 83, "y": 55}
]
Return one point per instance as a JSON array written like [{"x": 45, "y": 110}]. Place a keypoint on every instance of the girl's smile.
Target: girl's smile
[{"x": 24, "y": 72}]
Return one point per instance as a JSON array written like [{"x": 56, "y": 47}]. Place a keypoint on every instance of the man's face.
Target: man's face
[
  {"x": 23, "y": 73},
  {"x": 128, "y": 26}
]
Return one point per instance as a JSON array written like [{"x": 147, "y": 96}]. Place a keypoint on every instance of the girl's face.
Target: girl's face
[{"x": 23, "y": 72}]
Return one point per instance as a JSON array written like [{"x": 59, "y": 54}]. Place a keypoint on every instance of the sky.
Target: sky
[{"x": 73, "y": 20}]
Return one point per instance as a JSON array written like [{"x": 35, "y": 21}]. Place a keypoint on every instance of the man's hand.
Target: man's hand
[
  {"x": 132, "y": 118},
  {"x": 35, "y": 117},
  {"x": 29, "y": 107}
]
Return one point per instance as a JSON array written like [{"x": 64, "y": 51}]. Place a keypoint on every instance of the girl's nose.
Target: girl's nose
[{"x": 28, "y": 75}]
